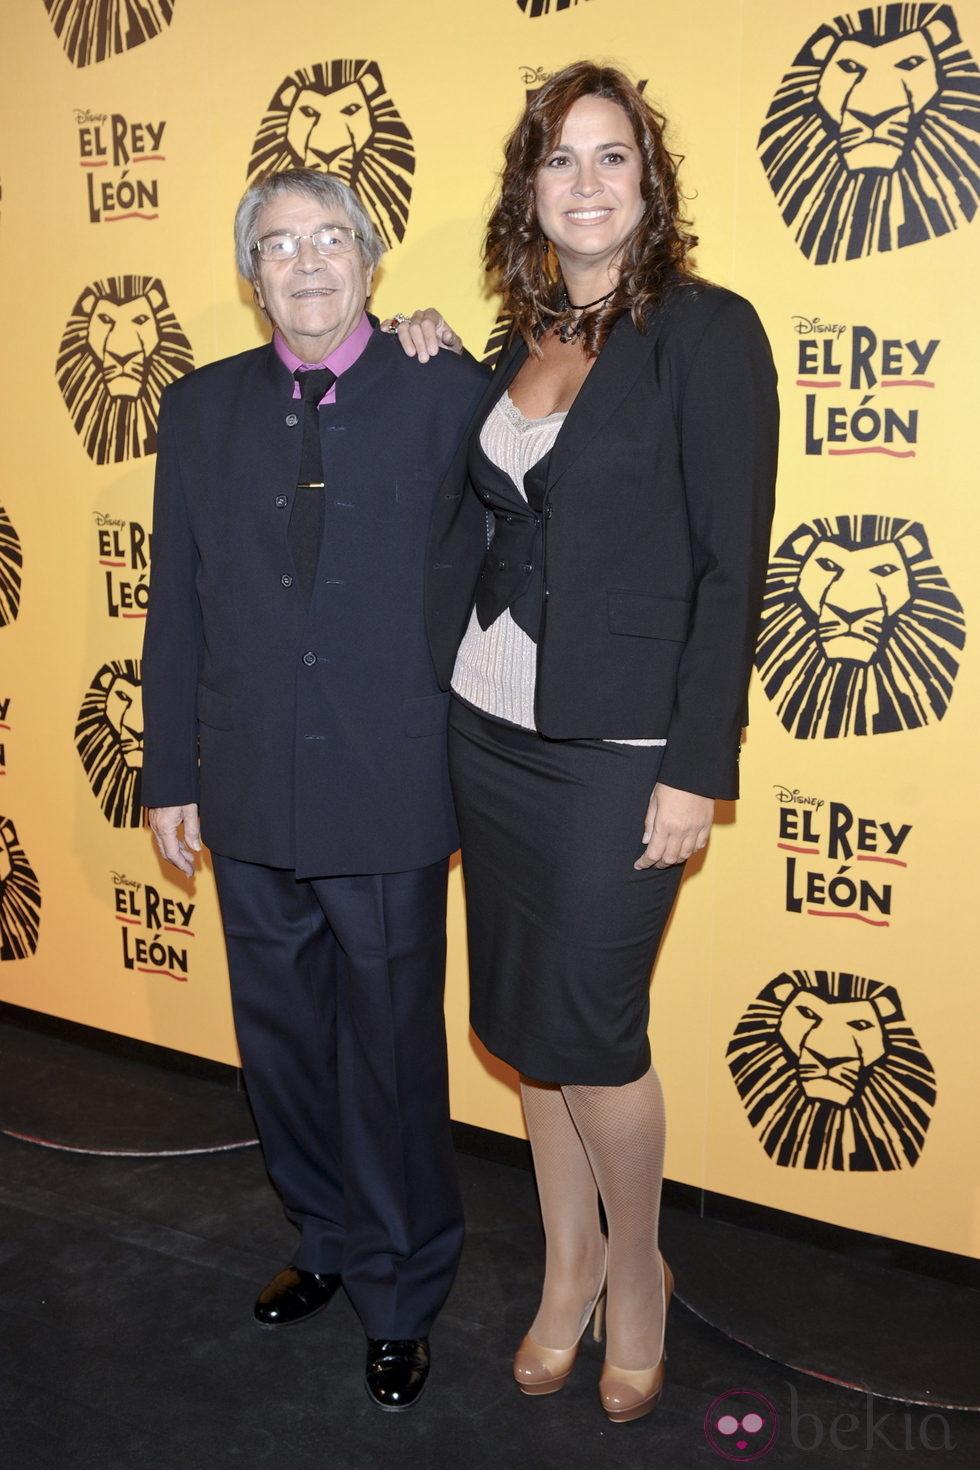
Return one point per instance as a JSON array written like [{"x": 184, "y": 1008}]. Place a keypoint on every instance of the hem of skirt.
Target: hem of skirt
[{"x": 562, "y": 1069}]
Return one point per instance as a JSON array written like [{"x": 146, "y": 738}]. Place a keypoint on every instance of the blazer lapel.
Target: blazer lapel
[
  {"x": 504, "y": 374},
  {"x": 497, "y": 382},
  {"x": 617, "y": 368}
]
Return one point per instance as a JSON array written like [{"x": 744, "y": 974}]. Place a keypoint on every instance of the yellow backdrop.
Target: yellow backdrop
[{"x": 814, "y": 1006}]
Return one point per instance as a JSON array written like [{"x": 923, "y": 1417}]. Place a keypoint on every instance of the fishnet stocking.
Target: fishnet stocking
[{"x": 613, "y": 1138}]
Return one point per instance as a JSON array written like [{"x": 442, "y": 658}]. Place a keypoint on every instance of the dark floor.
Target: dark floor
[{"x": 126, "y": 1339}]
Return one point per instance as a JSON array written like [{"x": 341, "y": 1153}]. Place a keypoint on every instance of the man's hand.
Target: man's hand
[
  {"x": 424, "y": 333},
  {"x": 677, "y": 824},
  {"x": 164, "y": 824}
]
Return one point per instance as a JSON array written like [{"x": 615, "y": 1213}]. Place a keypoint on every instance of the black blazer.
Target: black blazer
[
  {"x": 658, "y": 503},
  {"x": 312, "y": 739}
]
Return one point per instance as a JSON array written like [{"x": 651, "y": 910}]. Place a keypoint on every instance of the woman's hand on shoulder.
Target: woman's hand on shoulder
[
  {"x": 423, "y": 334},
  {"x": 677, "y": 824}
]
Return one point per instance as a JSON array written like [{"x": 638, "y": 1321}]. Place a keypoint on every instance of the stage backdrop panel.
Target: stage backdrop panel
[{"x": 813, "y": 1007}]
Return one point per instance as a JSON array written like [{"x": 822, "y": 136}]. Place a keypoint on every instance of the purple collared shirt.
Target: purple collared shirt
[{"x": 338, "y": 362}]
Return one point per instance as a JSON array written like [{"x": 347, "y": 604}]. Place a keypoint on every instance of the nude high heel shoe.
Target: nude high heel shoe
[
  {"x": 539, "y": 1369},
  {"x": 629, "y": 1393}
]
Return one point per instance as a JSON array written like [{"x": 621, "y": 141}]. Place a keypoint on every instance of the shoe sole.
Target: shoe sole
[
  {"x": 538, "y": 1390},
  {"x": 394, "y": 1408},
  {"x": 637, "y": 1411},
  {"x": 291, "y": 1321}
]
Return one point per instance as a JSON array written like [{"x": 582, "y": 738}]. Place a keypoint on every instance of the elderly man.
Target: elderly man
[{"x": 289, "y": 695}]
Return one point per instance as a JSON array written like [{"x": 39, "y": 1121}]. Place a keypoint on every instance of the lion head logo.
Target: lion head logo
[
  {"x": 109, "y": 739},
  {"x": 120, "y": 349},
  {"x": 534, "y": 8},
  {"x": 337, "y": 116},
  {"x": 831, "y": 1075},
  {"x": 499, "y": 339},
  {"x": 873, "y": 140},
  {"x": 861, "y": 633},
  {"x": 20, "y": 897},
  {"x": 92, "y": 30},
  {"x": 11, "y": 562}
]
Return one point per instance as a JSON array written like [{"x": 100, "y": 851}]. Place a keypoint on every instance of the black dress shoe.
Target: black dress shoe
[
  {"x": 294, "y": 1296},
  {"x": 396, "y": 1371}
]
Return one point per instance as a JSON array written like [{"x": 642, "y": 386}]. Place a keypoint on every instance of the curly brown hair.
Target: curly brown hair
[{"x": 523, "y": 266}]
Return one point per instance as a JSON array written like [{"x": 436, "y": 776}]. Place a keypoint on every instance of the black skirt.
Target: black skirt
[{"x": 563, "y": 930}]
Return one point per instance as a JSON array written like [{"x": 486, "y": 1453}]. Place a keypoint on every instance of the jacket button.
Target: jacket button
[
  {"x": 548, "y": 513},
  {"x": 509, "y": 520},
  {"x": 527, "y": 567},
  {"x": 501, "y": 566},
  {"x": 309, "y": 659},
  {"x": 547, "y": 593},
  {"x": 281, "y": 502},
  {"x": 292, "y": 420},
  {"x": 286, "y": 579}
]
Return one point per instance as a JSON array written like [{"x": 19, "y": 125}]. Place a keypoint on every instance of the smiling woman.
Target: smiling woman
[
  {"x": 599, "y": 649},
  {"x": 588, "y": 194},
  {"x": 589, "y": 149}
]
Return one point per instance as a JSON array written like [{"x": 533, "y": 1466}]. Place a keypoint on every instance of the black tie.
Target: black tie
[{"x": 305, "y": 530}]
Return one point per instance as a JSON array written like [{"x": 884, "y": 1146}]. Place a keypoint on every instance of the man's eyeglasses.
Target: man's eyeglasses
[{"x": 331, "y": 240}]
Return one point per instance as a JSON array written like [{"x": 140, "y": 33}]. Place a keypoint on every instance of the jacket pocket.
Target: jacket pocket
[
  {"x": 426, "y": 716},
  {"x": 214, "y": 709},
  {"x": 644, "y": 615}
]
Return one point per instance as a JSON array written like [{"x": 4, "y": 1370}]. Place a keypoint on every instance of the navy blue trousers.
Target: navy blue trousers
[{"x": 337, "y": 989}]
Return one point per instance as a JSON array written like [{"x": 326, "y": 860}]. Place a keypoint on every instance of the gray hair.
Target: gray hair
[{"x": 323, "y": 189}]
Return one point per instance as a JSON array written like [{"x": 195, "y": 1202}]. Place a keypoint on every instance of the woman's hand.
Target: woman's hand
[
  {"x": 677, "y": 824},
  {"x": 424, "y": 333}
]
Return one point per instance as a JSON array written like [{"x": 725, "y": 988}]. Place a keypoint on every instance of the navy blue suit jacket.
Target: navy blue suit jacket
[{"x": 312, "y": 738}]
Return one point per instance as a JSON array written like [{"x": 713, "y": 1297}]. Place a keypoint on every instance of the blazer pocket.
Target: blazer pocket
[
  {"x": 426, "y": 716},
  {"x": 214, "y": 709},
  {"x": 644, "y": 615}
]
